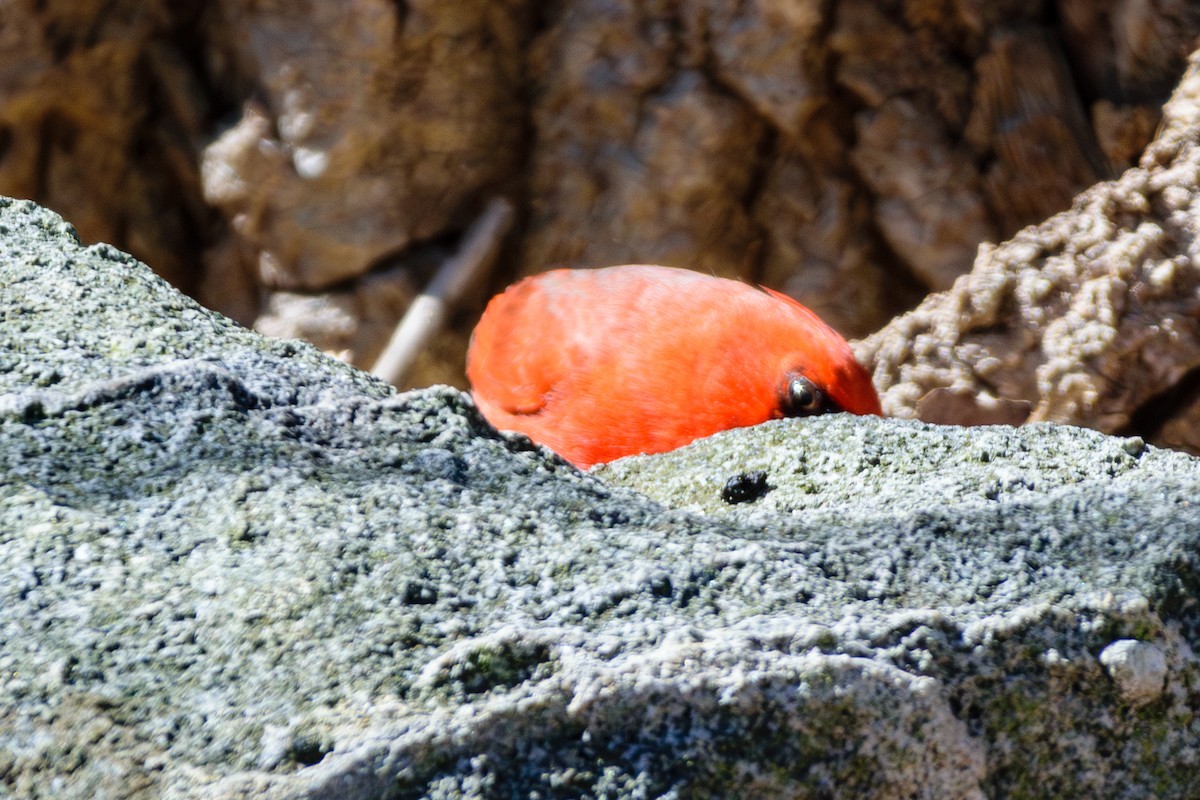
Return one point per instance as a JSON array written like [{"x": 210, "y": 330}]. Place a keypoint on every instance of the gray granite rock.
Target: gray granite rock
[{"x": 230, "y": 567}]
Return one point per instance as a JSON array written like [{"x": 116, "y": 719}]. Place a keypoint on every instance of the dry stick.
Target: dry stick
[{"x": 427, "y": 313}]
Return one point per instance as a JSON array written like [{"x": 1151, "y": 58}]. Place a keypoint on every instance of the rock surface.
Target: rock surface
[
  {"x": 1090, "y": 318},
  {"x": 231, "y": 567}
]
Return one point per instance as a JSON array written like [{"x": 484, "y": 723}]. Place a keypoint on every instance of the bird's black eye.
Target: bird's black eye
[{"x": 804, "y": 399}]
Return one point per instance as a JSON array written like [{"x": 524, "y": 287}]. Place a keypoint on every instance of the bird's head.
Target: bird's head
[{"x": 818, "y": 371}]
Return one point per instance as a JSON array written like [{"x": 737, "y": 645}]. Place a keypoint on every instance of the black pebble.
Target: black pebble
[{"x": 745, "y": 487}]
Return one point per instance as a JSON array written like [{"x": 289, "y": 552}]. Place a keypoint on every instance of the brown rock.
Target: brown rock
[
  {"x": 931, "y": 208},
  {"x": 769, "y": 52},
  {"x": 1179, "y": 426},
  {"x": 102, "y": 120},
  {"x": 378, "y": 129},
  {"x": 1028, "y": 122},
  {"x": 883, "y": 53},
  {"x": 1093, "y": 316},
  {"x": 1123, "y": 132},
  {"x": 1149, "y": 37},
  {"x": 816, "y": 250},
  {"x": 354, "y": 322},
  {"x": 1127, "y": 51},
  {"x": 636, "y": 158}
]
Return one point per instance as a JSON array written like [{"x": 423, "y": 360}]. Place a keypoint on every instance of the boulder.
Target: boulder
[
  {"x": 1089, "y": 318},
  {"x": 233, "y": 567}
]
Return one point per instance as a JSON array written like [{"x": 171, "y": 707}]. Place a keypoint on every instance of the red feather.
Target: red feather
[{"x": 600, "y": 364}]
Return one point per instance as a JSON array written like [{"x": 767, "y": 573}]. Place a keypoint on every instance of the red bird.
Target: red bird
[{"x": 597, "y": 364}]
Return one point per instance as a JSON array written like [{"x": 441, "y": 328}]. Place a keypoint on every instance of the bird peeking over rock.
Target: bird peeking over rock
[{"x": 597, "y": 364}]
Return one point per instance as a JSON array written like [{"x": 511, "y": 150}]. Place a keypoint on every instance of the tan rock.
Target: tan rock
[
  {"x": 102, "y": 120},
  {"x": 1092, "y": 317},
  {"x": 1028, "y": 122},
  {"x": 636, "y": 158},
  {"x": 931, "y": 207},
  {"x": 377, "y": 130},
  {"x": 816, "y": 251}
]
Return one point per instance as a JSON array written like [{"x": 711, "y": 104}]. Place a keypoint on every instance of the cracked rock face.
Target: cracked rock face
[{"x": 231, "y": 567}]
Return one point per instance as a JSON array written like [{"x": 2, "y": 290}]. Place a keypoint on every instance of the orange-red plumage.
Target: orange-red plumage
[{"x": 600, "y": 364}]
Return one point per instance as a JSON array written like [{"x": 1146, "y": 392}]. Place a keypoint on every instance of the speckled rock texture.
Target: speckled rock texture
[
  {"x": 1090, "y": 318},
  {"x": 231, "y": 567},
  {"x": 271, "y": 157}
]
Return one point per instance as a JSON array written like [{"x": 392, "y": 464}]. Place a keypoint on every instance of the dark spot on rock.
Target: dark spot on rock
[
  {"x": 33, "y": 412},
  {"x": 497, "y": 665},
  {"x": 307, "y": 752},
  {"x": 419, "y": 593},
  {"x": 745, "y": 487},
  {"x": 287, "y": 418},
  {"x": 661, "y": 586},
  {"x": 437, "y": 462},
  {"x": 608, "y": 517}
]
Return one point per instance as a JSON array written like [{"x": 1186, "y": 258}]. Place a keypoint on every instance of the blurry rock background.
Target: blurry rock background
[{"x": 304, "y": 167}]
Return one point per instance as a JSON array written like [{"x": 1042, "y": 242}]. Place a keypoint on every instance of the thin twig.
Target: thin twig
[{"x": 427, "y": 314}]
